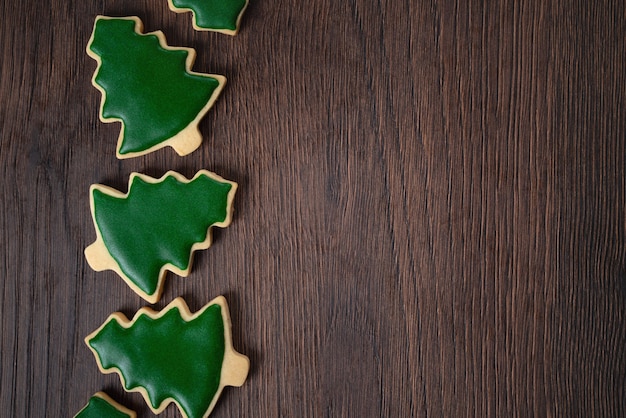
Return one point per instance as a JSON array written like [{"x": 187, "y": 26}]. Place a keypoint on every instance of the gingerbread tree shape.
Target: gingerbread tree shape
[
  {"x": 149, "y": 87},
  {"x": 101, "y": 405},
  {"x": 156, "y": 226},
  {"x": 214, "y": 15},
  {"x": 172, "y": 355}
]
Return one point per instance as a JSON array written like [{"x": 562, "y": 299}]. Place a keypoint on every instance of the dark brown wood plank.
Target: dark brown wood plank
[{"x": 431, "y": 218}]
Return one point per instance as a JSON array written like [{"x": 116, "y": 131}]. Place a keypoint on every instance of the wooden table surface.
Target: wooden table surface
[{"x": 430, "y": 218}]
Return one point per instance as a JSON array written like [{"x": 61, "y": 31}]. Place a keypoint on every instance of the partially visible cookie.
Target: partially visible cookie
[
  {"x": 172, "y": 355},
  {"x": 102, "y": 406},
  {"x": 214, "y": 15},
  {"x": 149, "y": 87},
  {"x": 156, "y": 226}
]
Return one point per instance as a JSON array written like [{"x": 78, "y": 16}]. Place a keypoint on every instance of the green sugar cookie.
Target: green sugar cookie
[
  {"x": 149, "y": 87},
  {"x": 172, "y": 355},
  {"x": 156, "y": 226},
  {"x": 214, "y": 15},
  {"x": 102, "y": 406}
]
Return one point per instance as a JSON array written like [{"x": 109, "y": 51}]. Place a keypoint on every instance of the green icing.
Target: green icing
[
  {"x": 147, "y": 86},
  {"x": 157, "y": 223},
  {"x": 100, "y": 408},
  {"x": 169, "y": 357},
  {"x": 214, "y": 14}
]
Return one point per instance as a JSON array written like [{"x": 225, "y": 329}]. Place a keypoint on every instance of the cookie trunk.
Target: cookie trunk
[
  {"x": 235, "y": 368},
  {"x": 98, "y": 256}
]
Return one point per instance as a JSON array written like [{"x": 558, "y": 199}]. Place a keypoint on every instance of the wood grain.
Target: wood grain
[{"x": 431, "y": 219}]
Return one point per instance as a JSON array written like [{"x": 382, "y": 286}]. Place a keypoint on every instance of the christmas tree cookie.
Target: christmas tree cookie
[
  {"x": 156, "y": 226},
  {"x": 215, "y": 15},
  {"x": 102, "y": 406},
  {"x": 172, "y": 355},
  {"x": 149, "y": 87}
]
